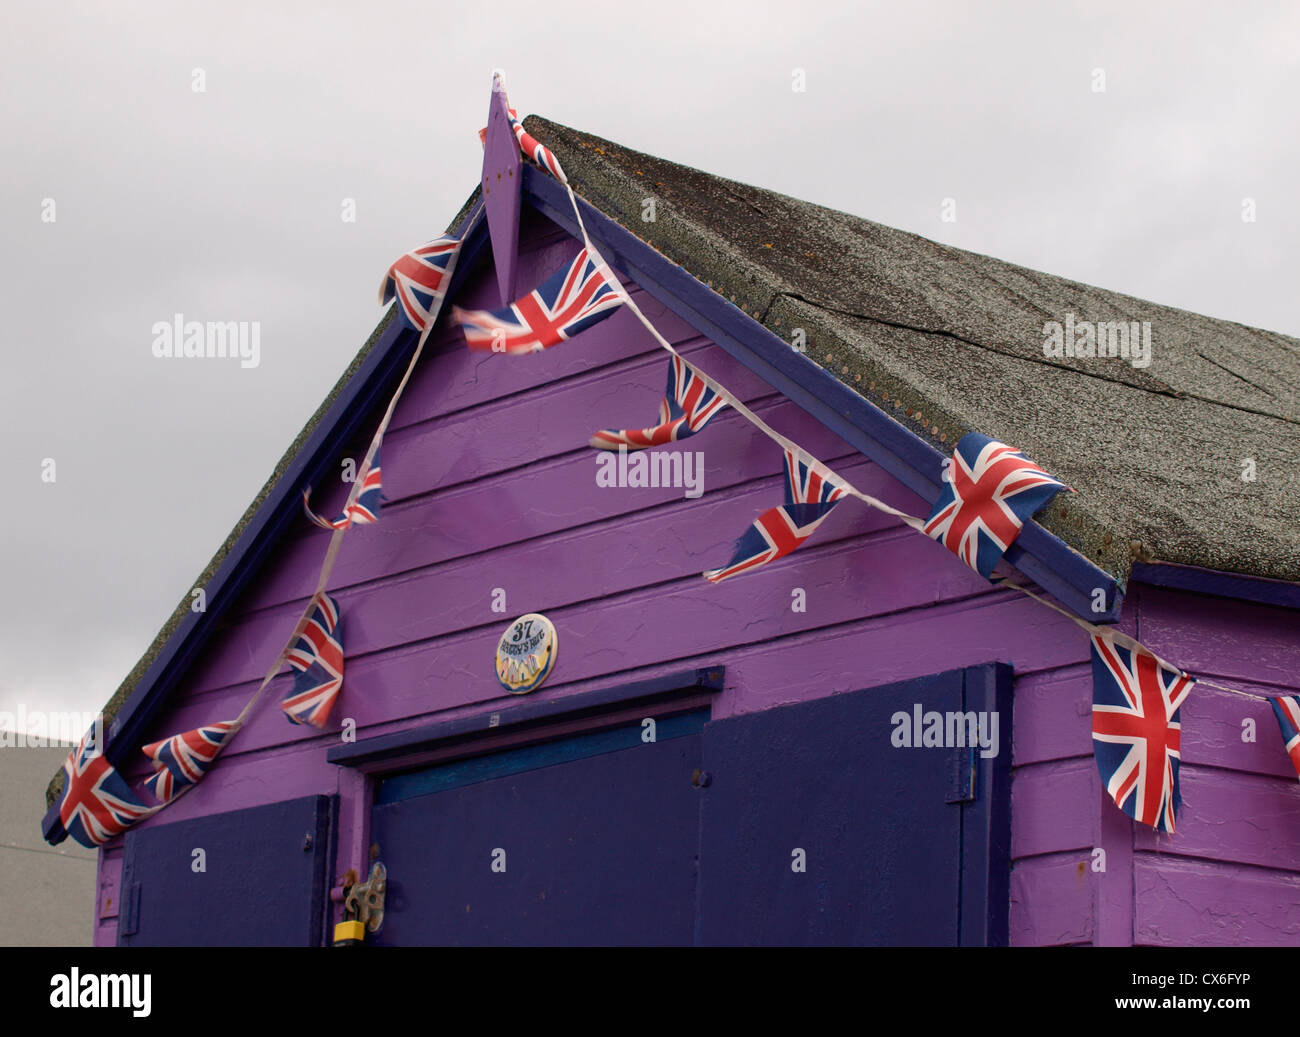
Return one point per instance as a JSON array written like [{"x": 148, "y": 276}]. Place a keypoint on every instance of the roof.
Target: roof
[
  {"x": 943, "y": 341},
  {"x": 947, "y": 341}
]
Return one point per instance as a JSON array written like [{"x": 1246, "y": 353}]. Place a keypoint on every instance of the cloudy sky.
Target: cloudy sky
[{"x": 226, "y": 204}]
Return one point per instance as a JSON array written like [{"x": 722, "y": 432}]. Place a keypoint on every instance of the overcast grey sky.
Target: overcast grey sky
[{"x": 226, "y": 205}]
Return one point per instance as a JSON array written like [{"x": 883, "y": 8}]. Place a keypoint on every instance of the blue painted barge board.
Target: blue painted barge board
[
  {"x": 367, "y": 389},
  {"x": 1049, "y": 561}
]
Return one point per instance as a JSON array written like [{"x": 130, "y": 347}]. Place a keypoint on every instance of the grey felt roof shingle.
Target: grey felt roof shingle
[{"x": 947, "y": 341}]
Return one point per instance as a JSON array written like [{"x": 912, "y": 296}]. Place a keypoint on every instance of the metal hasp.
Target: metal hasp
[
  {"x": 502, "y": 177},
  {"x": 364, "y": 901}
]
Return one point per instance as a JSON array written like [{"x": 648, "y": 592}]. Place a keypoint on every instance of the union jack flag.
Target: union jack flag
[
  {"x": 183, "y": 759},
  {"x": 317, "y": 655},
  {"x": 535, "y": 150},
  {"x": 687, "y": 406},
  {"x": 363, "y": 511},
  {"x": 96, "y": 804},
  {"x": 1136, "y": 729},
  {"x": 990, "y": 490},
  {"x": 809, "y": 497},
  {"x": 419, "y": 281},
  {"x": 570, "y": 301},
  {"x": 1287, "y": 711}
]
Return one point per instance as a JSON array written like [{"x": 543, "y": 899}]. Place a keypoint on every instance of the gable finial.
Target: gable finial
[{"x": 501, "y": 182}]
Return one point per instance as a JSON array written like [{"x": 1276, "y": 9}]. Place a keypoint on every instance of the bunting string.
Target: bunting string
[
  {"x": 419, "y": 282},
  {"x": 816, "y": 465},
  {"x": 336, "y": 535},
  {"x": 1121, "y": 638},
  {"x": 718, "y": 389},
  {"x": 93, "y": 817},
  {"x": 990, "y": 490}
]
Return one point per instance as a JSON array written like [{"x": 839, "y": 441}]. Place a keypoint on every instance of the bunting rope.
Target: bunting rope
[
  {"x": 332, "y": 551},
  {"x": 447, "y": 250},
  {"x": 1128, "y": 687},
  {"x": 1121, "y": 638},
  {"x": 822, "y": 469},
  {"x": 728, "y": 397},
  {"x": 336, "y": 536}
]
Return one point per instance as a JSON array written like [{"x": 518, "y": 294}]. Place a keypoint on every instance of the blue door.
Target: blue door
[
  {"x": 817, "y": 830},
  {"x": 590, "y": 840},
  {"x": 802, "y": 825}
]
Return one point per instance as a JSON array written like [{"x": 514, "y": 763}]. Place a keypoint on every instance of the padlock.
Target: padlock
[{"x": 349, "y": 934}]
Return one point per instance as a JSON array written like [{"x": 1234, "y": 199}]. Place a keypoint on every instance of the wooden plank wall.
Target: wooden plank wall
[{"x": 490, "y": 485}]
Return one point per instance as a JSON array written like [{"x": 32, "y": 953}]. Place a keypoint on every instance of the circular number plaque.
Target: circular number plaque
[{"x": 526, "y": 653}]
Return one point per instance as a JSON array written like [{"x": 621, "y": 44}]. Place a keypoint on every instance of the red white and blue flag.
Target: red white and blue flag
[
  {"x": 96, "y": 804},
  {"x": 990, "y": 491},
  {"x": 184, "y": 759},
  {"x": 810, "y": 493},
  {"x": 317, "y": 655},
  {"x": 530, "y": 146},
  {"x": 1287, "y": 710},
  {"x": 535, "y": 150},
  {"x": 570, "y": 301},
  {"x": 1136, "y": 729},
  {"x": 363, "y": 511},
  {"x": 688, "y": 405},
  {"x": 419, "y": 281}
]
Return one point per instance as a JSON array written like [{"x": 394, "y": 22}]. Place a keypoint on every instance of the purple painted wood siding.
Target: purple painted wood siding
[
  {"x": 491, "y": 484},
  {"x": 1231, "y": 873}
]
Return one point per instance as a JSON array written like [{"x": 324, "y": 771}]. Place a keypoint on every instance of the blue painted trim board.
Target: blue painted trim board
[
  {"x": 985, "y": 910},
  {"x": 1220, "y": 584},
  {"x": 497, "y": 721},
  {"x": 532, "y": 757}
]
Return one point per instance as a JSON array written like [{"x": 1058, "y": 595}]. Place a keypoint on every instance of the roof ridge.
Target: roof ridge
[{"x": 539, "y": 126}]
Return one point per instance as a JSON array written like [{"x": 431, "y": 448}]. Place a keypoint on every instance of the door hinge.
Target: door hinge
[
  {"x": 961, "y": 775},
  {"x": 128, "y": 922}
]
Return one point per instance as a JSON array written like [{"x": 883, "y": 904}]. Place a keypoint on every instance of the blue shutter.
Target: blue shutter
[
  {"x": 902, "y": 846},
  {"x": 265, "y": 881}
]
